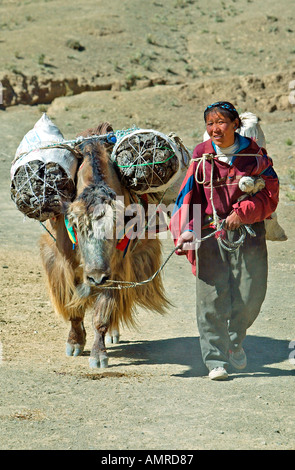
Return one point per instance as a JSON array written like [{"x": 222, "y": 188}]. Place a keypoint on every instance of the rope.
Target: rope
[
  {"x": 233, "y": 246},
  {"x": 41, "y": 198},
  {"x": 143, "y": 153},
  {"x": 44, "y": 226},
  {"x": 227, "y": 245},
  {"x": 111, "y": 138},
  {"x": 132, "y": 165},
  {"x": 202, "y": 160},
  {"x": 243, "y": 229},
  {"x": 129, "y": 284}
]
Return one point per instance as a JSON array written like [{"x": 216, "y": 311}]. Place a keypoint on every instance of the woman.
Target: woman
[{"x": 231, "y": 285}]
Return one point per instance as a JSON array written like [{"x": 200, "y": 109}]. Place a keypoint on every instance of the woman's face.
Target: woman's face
[{"x": 221, "y": 129}]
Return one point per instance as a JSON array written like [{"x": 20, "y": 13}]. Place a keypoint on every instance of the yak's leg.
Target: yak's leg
[
  {"x": 112, "y": 336},
  {"x": 76, "y": 339},
  {"x": 98, "y": 355}
]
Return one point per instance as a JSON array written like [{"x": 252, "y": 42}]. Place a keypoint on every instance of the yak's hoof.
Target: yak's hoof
[
  {"x": 104, "y": 362},
  {"x": 112, "y": 339},
  {"x": 74, "y": 349},
  {"x": 95, "y": 363}
]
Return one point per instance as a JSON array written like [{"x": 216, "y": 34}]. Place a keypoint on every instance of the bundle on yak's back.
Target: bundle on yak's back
[
  {"x": 151, "y": 162},
  {"x": 42, "y": 172}
]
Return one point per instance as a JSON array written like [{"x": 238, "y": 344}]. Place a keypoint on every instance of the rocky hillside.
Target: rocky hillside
[{"x": 52, "y": 48}]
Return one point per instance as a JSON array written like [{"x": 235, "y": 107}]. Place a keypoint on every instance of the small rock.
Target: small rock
[{"x": 73, "y": 44}]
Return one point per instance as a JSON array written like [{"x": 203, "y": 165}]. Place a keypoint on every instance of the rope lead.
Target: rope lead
[{"x": 226, "y": 244}]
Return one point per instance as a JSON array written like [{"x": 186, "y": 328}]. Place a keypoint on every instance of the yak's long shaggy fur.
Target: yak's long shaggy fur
[
  {"x": 64, "y": 266},
  {"x": 64, "y": 276}
]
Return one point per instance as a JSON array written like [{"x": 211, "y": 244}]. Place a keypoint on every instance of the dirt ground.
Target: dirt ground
[{"x": 153, "y": 64}]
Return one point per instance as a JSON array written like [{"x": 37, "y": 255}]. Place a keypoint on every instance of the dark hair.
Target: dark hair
[{"x": 225, "y": 108}]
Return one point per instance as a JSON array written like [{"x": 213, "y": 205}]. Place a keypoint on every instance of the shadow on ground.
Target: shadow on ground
[{"x": 264, "y": 355}]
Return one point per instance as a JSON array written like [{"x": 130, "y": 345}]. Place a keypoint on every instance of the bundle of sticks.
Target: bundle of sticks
[
  {"x": 146, "y": 161},
  {"x": 43, "y": 172},
  {"x": 38, "y": 188}
]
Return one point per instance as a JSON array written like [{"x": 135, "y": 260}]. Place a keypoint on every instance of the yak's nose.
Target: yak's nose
[{"x": 97, "y": 279}]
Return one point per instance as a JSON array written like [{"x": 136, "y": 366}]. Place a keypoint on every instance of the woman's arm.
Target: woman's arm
[{"x": 262, "y": 204}]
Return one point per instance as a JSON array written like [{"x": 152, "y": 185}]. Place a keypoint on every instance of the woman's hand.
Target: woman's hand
[
  {"x": 232, "y": 222},
  {"x": 185, "y": 242}
]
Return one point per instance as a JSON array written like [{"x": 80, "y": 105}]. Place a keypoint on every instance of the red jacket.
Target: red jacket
[{"x": 226, "y": 191}]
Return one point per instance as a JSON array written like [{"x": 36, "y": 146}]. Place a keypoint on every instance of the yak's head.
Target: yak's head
[{"x": 93, "y": 216}]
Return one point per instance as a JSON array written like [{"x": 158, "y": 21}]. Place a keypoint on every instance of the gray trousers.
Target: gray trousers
[{"x": 231, "y": 288}]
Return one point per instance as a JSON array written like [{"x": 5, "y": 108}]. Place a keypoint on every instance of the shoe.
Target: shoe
[
  {"x": 218, "y": 373},
  {"x": 238, "y": 359}
]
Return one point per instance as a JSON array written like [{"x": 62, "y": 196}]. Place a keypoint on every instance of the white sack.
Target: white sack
[{"x": 44, "y": 132}]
